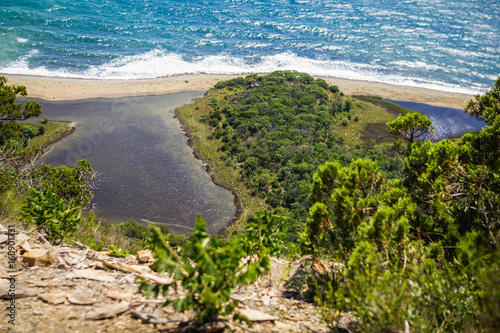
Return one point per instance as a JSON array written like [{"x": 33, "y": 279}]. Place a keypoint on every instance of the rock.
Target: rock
[
  {"x": 39, "y": 257},
  {"x": 116, "y": 295},
  {"x": 256, "y": 315},
  {"x": 108, "y": 311},
  {"x": 41, "y": 284},
  {"x": 53, "y": 298},
  {"x": 145, "y": 256},
  {"x": 20, "y": 238},
  {"x": 131, "y": 257},
  {"x": 3, "y": 239},
  {"x": 126, "y": 268},
  {"x": 265, "y": 300},
  {"x": 81, "y": 298},
  {"x": 90, "y": 274},
  {"x": 26, "y": 246},
  {"x": 157, "y": 279},
  {"x": 140, "y": 269},
  {"x": 72, "y": 258},
  {"x": 21, "y": 290}
]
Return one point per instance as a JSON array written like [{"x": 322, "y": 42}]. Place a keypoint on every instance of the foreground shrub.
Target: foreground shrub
[
  {"x": 208, "y": 275},
  {"x": 265, "y": 234},
  {"x": 50, "y": 214}
]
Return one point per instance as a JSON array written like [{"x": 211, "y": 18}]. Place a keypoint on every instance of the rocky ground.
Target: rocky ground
[{"x": 75, "y": 289}]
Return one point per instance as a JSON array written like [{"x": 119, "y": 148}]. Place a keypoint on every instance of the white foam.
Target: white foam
[
  {"x": 158, "y": 63},
  {"x": 22, "y": 40}
]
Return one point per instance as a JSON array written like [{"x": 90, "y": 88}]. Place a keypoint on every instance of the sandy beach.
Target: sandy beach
[{"x": 51, "y": 88}]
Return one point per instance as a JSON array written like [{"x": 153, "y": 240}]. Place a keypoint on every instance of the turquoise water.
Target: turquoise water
[{"x": 446, "y": 45}]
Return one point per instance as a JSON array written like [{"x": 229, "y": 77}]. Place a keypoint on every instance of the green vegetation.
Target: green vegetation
[
  {"x": 418, "y": 234},
  {"x": 413, "y": 225},
  {"x": 207, "y": 273},
  {"x": 50, "y": 132},
  {"x": 266, "y": 135},
  {"x": 118, "y": 251},
  {"x": 390, "y": 107},
  {"x": 420, "y": 252}
]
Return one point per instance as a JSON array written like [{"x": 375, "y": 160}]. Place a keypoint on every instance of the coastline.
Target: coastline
[
  {"x": 214, "y": 176},
  {"x": 59, "y": 89}
]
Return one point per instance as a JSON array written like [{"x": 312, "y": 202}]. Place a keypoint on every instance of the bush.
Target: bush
[
  {"x": 50, "y": 214},
  {"x": 30, "y": 131},
  {"x": 132, "y": 229},
  {"x": 265, "y": 234},
  {"x": 208, "y": 275},
  {"x": 402, "y": 289}
]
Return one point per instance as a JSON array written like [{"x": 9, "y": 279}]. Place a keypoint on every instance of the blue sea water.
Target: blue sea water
[{"x": 447, "y": 45}]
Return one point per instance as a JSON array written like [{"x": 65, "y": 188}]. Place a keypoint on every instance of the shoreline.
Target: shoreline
[
  {"x": 212, "y": 172},
  {"x": 64, "y": 89}
]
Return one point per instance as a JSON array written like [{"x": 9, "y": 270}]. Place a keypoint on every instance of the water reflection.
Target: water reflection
[
  {"x": 446, "y": 121},
  {"x": 146, "y": 169}
]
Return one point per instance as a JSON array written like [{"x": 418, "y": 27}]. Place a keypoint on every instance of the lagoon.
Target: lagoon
[
  {"x": 447, "y": 122},
  {"x": 146, "y": 169}
]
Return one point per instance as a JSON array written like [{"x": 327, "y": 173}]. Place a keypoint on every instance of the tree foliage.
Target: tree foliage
[
  {"x": 9, "y": 109},
  {"x": 486, "y": 107},
  {"x": 410, "y": 127},
  {"x": 277, "y": 129},
  {"x": 418, "y": 251}
]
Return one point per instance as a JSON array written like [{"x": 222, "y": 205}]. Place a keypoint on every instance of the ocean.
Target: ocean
[{"x": 445, "y": 45}]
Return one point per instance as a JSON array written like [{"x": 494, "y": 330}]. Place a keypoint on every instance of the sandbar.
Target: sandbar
[{"x": 54, "y": 88}]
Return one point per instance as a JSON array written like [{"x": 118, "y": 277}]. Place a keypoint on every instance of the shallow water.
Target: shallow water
[
  {"x": 146, "y": 169},
  {"x": 447, "y": 121}
]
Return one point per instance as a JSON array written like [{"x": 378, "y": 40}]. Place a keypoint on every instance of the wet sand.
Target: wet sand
[{"x": 51, "y": 88}]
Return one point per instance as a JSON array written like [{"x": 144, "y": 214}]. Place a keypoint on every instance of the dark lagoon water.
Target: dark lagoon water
[
  {"x": 146, "y": 169},
  {"x": 447, "y": 121}
]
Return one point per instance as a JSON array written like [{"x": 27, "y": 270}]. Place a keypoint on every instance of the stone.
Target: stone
[
  {"x": 26, "y": 246},
  {"x": 72, "y": 258},
  {"x": 116, "y": 295},
  {"x": 53, "y": 298},
  {"x": 157, "y": 279},
  {"x": 145, "y": 256},
  {"x": 20, "y": 238},
  {"x": 256, "y": 315},
  {"x": 3, "y": 239},
  {"x": 90, "y": 274},
  {"x": 108, "y": 311},
  {"x": 20, "y": 292},
  {"x": 81, "y": 298},
  {"x": 140, "y": 269},
  {"x": 39, "y": 257}
]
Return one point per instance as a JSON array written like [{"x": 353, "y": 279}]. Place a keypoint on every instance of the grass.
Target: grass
[
  {"x": 390, "y": 107},
  {"x": 208, "y": 150},
  {"x": 54, "y": 131},
  {"x": 371, "y": 124}
]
